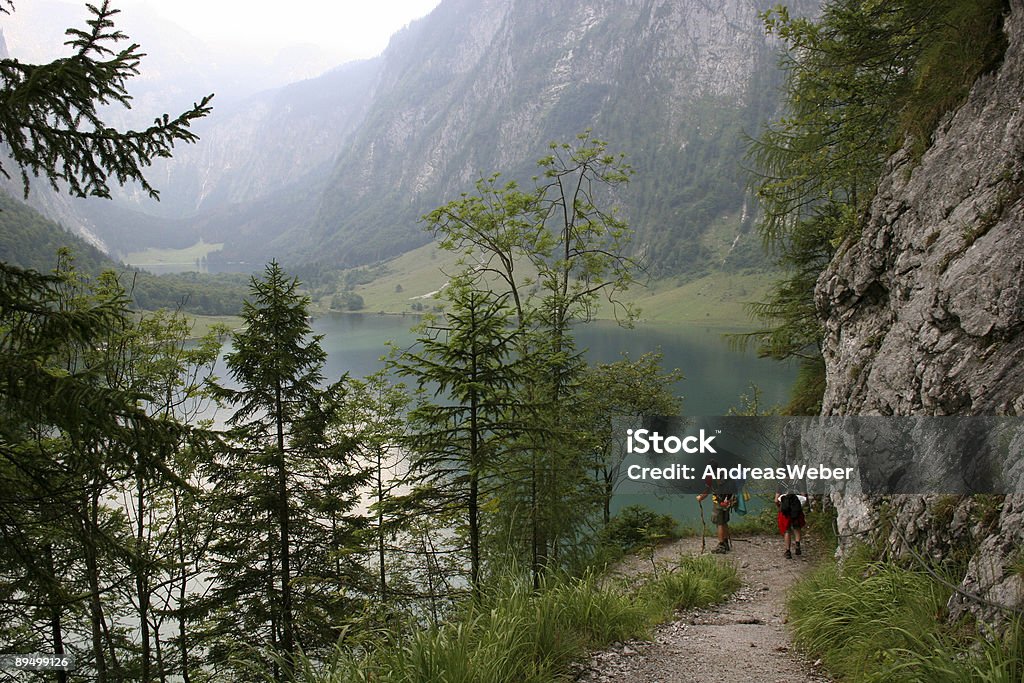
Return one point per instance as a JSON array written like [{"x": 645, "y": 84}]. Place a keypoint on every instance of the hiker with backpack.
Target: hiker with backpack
[
  {"x": 723, "y": 499},
  {"x": 791, "y": 519}
]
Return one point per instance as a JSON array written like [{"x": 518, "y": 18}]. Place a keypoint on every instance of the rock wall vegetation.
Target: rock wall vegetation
[{"x": 924, "y": 315}]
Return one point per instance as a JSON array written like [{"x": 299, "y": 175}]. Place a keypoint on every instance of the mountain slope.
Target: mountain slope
[
  {"x": 478, "y": 87},
  {"x": 336, "y": 171}
]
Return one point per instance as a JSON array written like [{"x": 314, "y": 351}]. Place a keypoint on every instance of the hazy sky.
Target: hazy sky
[{"x": 344, "y": 27}]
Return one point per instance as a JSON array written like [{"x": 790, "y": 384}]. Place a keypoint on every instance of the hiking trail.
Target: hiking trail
[{"x": 742, "y": 639}]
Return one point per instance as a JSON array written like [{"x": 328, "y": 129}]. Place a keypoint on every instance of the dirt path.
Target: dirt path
[{"x": 744, "y": 639}]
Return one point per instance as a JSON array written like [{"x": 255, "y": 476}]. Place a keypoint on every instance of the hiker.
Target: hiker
[
  {"x": 791, "y": 519},
  {"x": 722, "y": 501}
]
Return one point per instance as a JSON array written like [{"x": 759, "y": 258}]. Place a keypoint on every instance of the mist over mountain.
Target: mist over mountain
[
  {"x": 478, "y": 87},
  {"x": 334, "y": 171}
]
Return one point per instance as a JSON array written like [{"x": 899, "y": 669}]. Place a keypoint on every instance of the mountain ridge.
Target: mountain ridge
[{"x": 335, "y": 171}]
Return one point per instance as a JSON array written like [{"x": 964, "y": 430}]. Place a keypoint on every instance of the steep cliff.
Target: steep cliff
[
  {"x": 924, "y": 315},
  {"x": 477, "y": 87}
]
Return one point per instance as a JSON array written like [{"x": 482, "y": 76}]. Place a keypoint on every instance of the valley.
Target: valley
[{"x": 321, "y": 376}]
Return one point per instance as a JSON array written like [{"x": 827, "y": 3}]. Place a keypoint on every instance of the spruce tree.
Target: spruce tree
[
  {"x": 284, "y": 488},
  {"x": 460, "y": 435},
  {"x": 71, "y": 431},
  {"x": 52, "y": 115}
]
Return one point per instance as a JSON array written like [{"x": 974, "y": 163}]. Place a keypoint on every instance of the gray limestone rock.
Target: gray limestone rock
[{"x": 924, "y": 315}]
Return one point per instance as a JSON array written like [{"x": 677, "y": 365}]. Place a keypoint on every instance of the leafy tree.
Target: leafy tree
[
  {"x": 560, "y": 236},
  {"x": 154, "y": 357},
  {"x": 618, "y": 390},
  {"x": 375, "y": 421},
  {"x": 79, "y": 567},
  {"x": 556, "y": 251}
]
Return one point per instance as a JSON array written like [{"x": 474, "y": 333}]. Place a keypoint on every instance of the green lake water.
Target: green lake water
[{"x": 715, "y": 374}]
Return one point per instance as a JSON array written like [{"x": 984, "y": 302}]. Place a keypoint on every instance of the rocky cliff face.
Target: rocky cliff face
[
  {"x": 925, "y": 315},
  {"x": 478, "y": 87}
]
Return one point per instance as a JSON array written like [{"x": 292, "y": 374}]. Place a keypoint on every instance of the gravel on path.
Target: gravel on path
[{"x": 742, "y": 639}]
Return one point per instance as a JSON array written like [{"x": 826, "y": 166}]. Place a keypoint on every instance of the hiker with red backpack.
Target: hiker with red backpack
[{"x": 791, "y": 519}]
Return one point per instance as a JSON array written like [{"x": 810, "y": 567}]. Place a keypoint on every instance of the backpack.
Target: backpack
[{"x": 790, "y": 506}]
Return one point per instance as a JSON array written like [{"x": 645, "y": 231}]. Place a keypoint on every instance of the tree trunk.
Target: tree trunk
[
  {"x": 56, "y": 628},
  {"x": 474, "y": 468},
  {"x": 182, "y": 588},
  {"x": 380, "y": 526},
  {"x": 609, "y": 489},
  {"x": 93, "y": 580},
  {"x": 287, "y": 635},
  {"x": 158, "y": 650},
  {"x": 141, "y": 583}
]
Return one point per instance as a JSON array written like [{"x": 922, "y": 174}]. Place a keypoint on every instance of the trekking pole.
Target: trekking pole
[{"x": 703, "y": 525}]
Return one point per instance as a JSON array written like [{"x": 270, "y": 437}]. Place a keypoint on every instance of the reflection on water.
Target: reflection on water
[{"x": 714, "y": 374}]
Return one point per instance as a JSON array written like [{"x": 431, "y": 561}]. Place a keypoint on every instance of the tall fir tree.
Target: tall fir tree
[
  {"x": 461, "y": 434},
  {"x": 284, "y": 490}
]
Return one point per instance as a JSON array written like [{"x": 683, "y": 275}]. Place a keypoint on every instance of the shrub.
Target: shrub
[{"x": 637, "y": 526}]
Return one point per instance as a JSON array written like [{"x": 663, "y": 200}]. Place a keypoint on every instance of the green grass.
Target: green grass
[
  {"x": 874, "y": 621},
  {"x": 202, "y": 324},
  {"x": 517, "y": 635},
  {"x": 166, "y": 257},
  {"x": 408, "y": 279},
  {"x": 718, "y": 299}
]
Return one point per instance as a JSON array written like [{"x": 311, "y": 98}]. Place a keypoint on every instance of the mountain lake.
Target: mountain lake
[{"x": 715, "y": 374}]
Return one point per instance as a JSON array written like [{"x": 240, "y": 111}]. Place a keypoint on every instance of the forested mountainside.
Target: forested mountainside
[
  {"x": 339, "y": 168},
  {"x": 29, "y": 240}
]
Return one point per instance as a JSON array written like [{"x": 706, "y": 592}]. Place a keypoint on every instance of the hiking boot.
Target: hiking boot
[
  {"x": 728, "y": 545},
  {"x": 798, "y": 548},
  {"x": 721, "y": 549},
  {"x": 789, "y": 555}
]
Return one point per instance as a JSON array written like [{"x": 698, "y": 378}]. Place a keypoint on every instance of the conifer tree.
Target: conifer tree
[
  {"x": 461, "y": 435},
  {"x": 51, "y": 115},
  {"x": 283, "y": 490},
  {"x": 75, "y": 555},
  {"x": 70, "y": 430}
]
